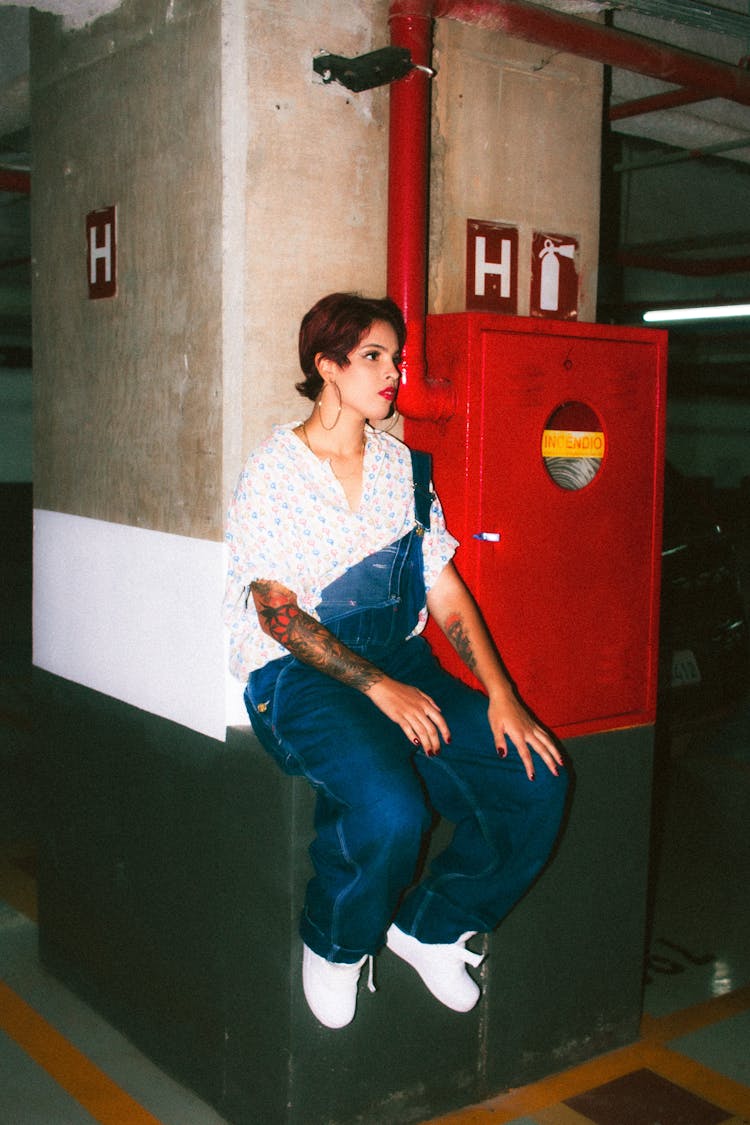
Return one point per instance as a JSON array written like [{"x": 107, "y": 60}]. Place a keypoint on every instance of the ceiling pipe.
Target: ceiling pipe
[
  {"x": 15, "y": 180},
  {"x": 671, "y": 99},
  {"x": 422, "y": 397},
  {"x": 685, "y": 267},
  {"x": 549, "y": 28}
]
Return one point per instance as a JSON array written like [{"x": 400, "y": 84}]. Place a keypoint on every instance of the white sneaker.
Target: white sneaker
[
  {"x": 330, "y": 988},
  {"x": 441, "y": 967}
]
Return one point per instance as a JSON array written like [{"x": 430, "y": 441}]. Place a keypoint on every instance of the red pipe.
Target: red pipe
[
  {"x": 606, "y": 45},
  {"x": 408, "y": 186},
  {"x": 654, "y": 102},
  {"x": 696, "y": 267},
  {"x": 421, "y": 397},
  {"x": 13, "y": 179},
  {"x": 408, "y": 159}
]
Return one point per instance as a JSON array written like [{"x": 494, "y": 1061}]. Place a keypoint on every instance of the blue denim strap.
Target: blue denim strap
[{"x": 421, "y": 471}]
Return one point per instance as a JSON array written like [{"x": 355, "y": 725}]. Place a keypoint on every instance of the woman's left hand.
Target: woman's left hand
[{"x": 510, "y": 720}]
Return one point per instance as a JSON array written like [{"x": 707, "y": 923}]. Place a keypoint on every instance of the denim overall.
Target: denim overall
[{"x": 376, "y": 791}]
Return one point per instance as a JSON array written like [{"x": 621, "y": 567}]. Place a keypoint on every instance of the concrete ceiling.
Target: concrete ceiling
[{"x": 655, "y": 186}]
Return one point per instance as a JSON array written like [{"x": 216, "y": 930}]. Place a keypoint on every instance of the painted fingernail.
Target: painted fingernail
[{"x": 416, "y": 742}]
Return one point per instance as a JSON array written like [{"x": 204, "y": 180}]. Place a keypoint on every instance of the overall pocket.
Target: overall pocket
[{"x": 259, "y": 703}]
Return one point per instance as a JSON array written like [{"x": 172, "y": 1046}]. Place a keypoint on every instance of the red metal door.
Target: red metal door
[{"x": 557, "y": 448}]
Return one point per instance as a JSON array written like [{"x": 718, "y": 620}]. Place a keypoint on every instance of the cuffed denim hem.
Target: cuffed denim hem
[{"x": 320, "y": 943}]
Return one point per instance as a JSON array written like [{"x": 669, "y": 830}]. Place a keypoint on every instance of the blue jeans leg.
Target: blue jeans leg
[
  {"x": 371, "y": 810},
  {"x": 505, "y": 825}
]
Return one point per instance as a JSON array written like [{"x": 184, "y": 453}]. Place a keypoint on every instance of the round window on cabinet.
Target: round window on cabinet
[{"x": 573, "y": 445}]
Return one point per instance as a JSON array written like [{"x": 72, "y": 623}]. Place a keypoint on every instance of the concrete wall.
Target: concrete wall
[{"x": 316, "y": 188}]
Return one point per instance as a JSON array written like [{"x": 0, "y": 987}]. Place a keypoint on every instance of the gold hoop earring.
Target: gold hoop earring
[{"x": 319, "y": 405}]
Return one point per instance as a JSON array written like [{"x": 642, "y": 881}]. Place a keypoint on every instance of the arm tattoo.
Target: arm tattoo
[
  {"x": 279, "y": 620},
  {"x": 456, "y": 633},
  {"x": 308, "y": 640}
]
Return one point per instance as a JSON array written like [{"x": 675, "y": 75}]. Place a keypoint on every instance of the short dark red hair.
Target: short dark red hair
[{"x": 334, "y": 326}]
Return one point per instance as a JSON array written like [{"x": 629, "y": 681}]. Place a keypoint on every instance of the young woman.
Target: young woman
[{"x": 338, "y": 551}]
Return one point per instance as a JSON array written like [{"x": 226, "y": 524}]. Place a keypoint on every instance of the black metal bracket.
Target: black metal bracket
[{"x": 366, "y": 71}]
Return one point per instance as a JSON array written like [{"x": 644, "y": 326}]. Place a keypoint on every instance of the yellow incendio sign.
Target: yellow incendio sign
[{"x": 572, "y": 443}]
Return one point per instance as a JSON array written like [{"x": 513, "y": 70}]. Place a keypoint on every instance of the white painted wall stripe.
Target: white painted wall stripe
[{"x": 136, "y": 615}]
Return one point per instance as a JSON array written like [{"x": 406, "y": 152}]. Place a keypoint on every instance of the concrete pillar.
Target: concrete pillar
[
  {"x": 244, "y": 189},
  {"x": 314, "y": 190}
]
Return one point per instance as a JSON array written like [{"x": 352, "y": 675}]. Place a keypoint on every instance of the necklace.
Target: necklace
[
  {"x": 345, "y": 476},
  {"x": 339, "y": 476},
  {"x": 307, "y": 440}
]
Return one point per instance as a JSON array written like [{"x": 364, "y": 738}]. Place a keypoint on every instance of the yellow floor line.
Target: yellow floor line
[
  {"x": 526, "y": 1100},
  {"x": 648, "y": 1052},
  {"x": 85, "y": 1082},
  {"x": 703, "y": 1014}
]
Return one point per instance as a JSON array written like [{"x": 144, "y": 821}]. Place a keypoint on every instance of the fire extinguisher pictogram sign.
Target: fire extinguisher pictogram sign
[{"x": 554, "y": 276}]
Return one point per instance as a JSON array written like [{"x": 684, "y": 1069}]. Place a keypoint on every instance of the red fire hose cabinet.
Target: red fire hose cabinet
[{"x": 550, "y": 473}]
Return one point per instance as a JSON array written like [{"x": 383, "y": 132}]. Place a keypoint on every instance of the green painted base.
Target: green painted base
[{"x": 172, "y": 872}]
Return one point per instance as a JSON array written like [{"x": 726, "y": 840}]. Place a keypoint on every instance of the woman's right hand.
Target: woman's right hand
[
  {"x": 311, "y": 642},
  {"x": 413, "y": 710}
]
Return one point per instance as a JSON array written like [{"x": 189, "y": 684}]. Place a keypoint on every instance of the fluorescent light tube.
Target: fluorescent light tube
[{"x": 706, "y": 312}]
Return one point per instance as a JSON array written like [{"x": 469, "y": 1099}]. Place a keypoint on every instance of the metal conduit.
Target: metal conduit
[{"x": 708, "y": 17}]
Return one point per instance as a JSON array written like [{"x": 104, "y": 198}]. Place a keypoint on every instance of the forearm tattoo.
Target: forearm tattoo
[
  {"x": 456, "y": 633},
  {"x": 308, "y": 640}
]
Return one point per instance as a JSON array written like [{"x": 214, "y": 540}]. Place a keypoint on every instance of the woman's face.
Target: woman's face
[{"x": 369, "y": 383}]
